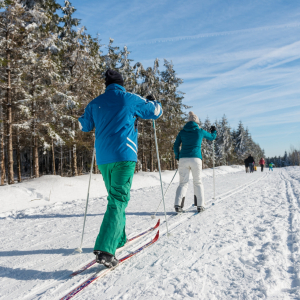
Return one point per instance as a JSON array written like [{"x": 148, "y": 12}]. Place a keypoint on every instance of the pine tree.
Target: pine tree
[
  {"x": 150, "y": 84},
  {"x": 173, "y": 117},
  {"x": 207, "y": 150},
  {"x": 80, "y": 65},
  {"x": 127, "y": 71},
  {"x": 17, "y": 28},
  {"x": 241, "y": 143}
]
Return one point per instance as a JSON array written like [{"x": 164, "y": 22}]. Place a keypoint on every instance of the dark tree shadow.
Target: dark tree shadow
[
  {"x": 54, "y": 216},
  {"x": 25, "y": 274},
  {"x": 64, "y": 252}
]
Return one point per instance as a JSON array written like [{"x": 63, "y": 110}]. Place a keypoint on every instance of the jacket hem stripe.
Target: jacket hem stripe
[
  {"x": 130, "y": 148},
  {"x": 132, "y": 142}
]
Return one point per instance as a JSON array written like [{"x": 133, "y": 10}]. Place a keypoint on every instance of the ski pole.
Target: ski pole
[
  {"x": 214, "y": 187},
  {"x": 153, "y": 216},
  {"x": 162, "y": 191},
  {"x": 87, "y": 201}
]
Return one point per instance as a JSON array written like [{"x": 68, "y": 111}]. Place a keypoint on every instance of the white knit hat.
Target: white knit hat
[{"x": 193, "y": 117}]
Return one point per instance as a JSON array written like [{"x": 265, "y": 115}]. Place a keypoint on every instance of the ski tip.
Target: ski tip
[
  {"x": 156, "y": 236},
  {"x": 157, "y": 224}
]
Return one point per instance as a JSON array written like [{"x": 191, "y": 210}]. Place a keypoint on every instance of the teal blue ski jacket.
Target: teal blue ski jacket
[
  {"x": 114, "y": 114},
  {"x": 191, "y": 137}
]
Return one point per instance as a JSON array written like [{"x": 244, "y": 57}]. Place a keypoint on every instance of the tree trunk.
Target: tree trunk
[
  {"x": 42, "y": 164},
  {"x": 95, "y": 165},
  {"x": 47, "y": 162},
  {"x": 74, "y": 161},
  {"x": 151, "y": 154},
  {"x": 9, "y": 119},
  {"x": 19, "y": 157},
  {"x": 2, "y": 163},
  {"x": 74, "y": 154},
  {"x": 2, "y": 149},
  {"x": 61, "y": 161},
  {"x": 144, "y": 167},
  {"x": 30, "y": 158},
  {"x": 36, "y": 158},
  {"x": 174, "y": 160},
  {"x": 70, "y": 161},
  {"x": 53, "y": 159}
]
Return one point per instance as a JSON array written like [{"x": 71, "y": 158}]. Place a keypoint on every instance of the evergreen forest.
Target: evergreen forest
[{"x": 51, "y": 68}]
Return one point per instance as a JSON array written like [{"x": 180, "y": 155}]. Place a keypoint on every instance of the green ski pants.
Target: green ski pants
[{"x": 118, "y": 179}]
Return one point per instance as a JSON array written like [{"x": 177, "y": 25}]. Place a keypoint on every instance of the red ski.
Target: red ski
[
  {"x": 127, "y": 243},
  {"x": 102, "y": 273}
]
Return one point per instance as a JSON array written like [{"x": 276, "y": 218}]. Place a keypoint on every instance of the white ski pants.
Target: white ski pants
[{"x": 185, "y": 165}]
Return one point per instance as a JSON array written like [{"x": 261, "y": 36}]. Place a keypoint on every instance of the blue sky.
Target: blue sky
[{"x": 238, "y": 58}]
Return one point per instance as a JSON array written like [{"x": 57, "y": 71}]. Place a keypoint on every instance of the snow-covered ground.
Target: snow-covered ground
[{"x": 246, "y": 246}]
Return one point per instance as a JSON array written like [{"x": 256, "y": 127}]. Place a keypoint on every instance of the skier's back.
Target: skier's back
[
  {"x": 246, "y": 162},
  {"x": 190, "y": 158},
  {"x": 114, "y": 114},
  {"x": 262, "y": 164},
  {"x": 251, "y": 163}
]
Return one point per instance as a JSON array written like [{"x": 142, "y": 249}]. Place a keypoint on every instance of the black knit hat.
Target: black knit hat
[{"x": 112, "y": 76}]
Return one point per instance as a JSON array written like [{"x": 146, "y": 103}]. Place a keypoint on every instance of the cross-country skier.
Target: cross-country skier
[
  {"x": 271, "y": 166},
  {"x": 190, "y": 158},
  {"x": 251, "y": 163},
  {"x": 262, "y": 164},
  {"x": 113, "y": 115},
  {"x": 246, "y": 165}
]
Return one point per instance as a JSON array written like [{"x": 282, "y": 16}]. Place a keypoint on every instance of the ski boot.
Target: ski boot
[
  {"x": 182, "y": 202},
  {"x": 106, "y": 259},
  {"x": 195, "y": 200},
  {"x": 178, "y": 209},
  {"x": 200, "y": 209}
]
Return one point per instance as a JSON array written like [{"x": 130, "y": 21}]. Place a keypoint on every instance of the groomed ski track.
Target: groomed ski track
[{"x": 246, "y": 246}]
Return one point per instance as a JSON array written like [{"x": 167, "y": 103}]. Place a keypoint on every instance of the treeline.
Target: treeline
[
  {"x": 49, "y": 72},
  {"x": 232, "y": 146},
  {"x": 288, "y": 159}
]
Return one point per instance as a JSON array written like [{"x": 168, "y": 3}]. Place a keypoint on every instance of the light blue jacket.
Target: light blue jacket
[
  {"x": 191, "y": 138},
  {"x": 113, "y": 114}
]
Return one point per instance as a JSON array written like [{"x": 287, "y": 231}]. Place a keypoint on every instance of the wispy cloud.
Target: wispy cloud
[{"x": 212, "y": 34}]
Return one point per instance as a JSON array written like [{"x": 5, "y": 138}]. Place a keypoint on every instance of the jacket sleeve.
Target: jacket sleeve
[
  {"x": 86, "y": 121},
  {"x": 146, "y": 109},
  {"x": 176, "y": 146},
  {"x": 210, "y": 136}
]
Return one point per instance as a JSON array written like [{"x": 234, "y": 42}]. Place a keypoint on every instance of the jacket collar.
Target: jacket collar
[
  {"x": 190, "y": 126},
  {"x": 115, "y": 86}
]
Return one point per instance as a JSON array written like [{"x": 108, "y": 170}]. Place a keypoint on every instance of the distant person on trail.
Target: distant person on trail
[
  {"x": 271, "y": 166},
  {"x": 113, "y": 115},
  {"x": 246, "y": 165},
  {"x": 190, "y": 158},
  {"x": 262, "y": 164},
  {"x": 251, "y": 163}
]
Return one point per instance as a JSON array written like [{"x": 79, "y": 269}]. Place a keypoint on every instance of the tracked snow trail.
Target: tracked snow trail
[{"x": 246, "y": 246}]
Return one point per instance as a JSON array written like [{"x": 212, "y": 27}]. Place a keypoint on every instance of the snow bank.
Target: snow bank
[{"x": 50, "y": 188}]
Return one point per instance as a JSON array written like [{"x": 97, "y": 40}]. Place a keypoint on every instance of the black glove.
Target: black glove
[
  {"x": 213, "y": 129},
  {"x": 150, "y": 97}
]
